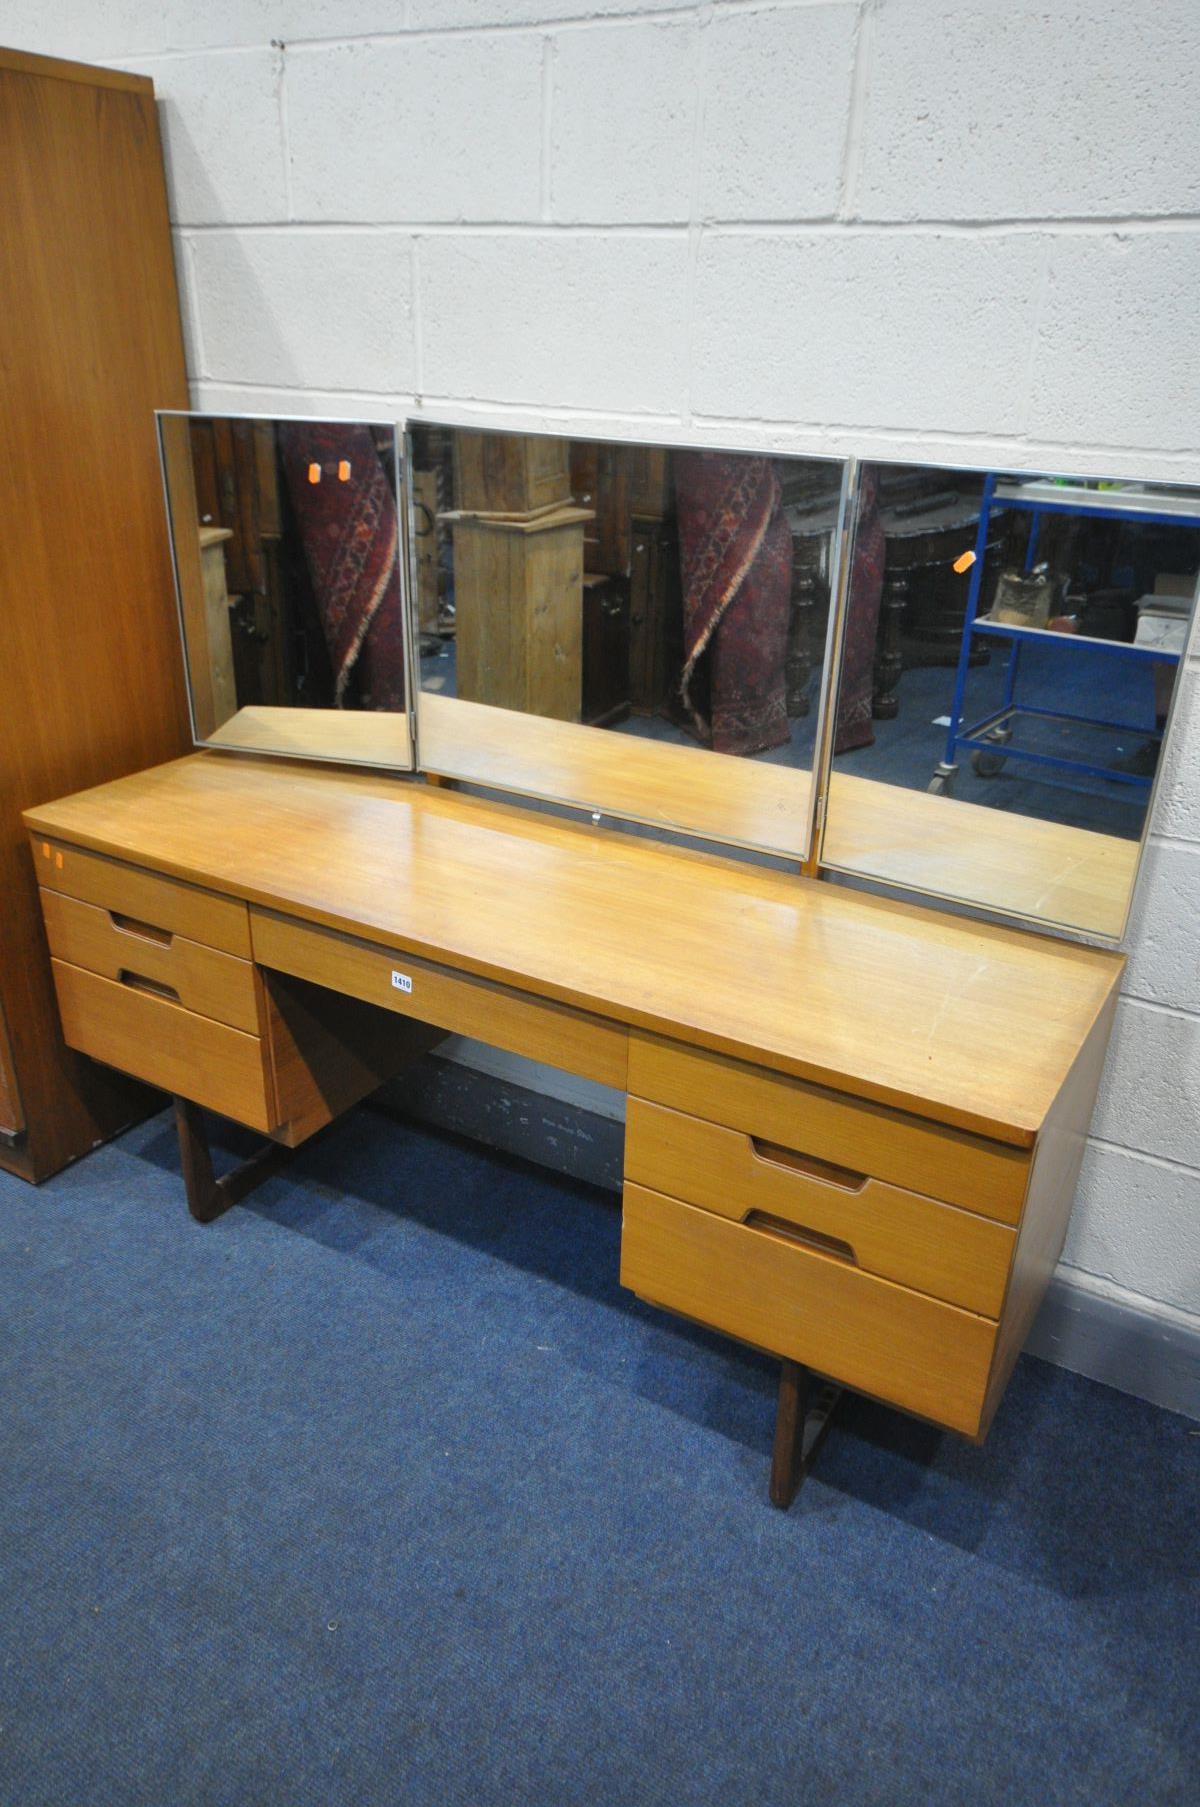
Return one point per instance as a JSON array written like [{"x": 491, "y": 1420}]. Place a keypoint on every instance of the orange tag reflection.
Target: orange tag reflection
[{"x": 314, "y": 473}]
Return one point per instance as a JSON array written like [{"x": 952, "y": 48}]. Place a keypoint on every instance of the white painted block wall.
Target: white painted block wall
[{"x": 922, "y": 228}]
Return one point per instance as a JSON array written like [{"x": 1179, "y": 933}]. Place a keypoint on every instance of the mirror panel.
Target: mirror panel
[
  {"x": 635, "y": 630},
  {"x": 1007, "y": 665},
  {"x": 286, "y": 542}
]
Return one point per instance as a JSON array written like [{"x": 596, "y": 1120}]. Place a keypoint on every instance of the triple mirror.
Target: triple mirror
[{"x": 972, "y": 672}]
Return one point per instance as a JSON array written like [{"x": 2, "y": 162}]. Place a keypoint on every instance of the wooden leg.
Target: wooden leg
[
  {"x": 207, "y": 1196},
  {"x": 801, "y": 1425}
]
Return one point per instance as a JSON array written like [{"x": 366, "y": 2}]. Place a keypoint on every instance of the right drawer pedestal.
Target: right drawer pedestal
[{"x": 872, "y": 1246}]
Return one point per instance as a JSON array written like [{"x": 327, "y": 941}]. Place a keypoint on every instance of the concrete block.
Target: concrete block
[
  {"x": 1164, "y": 943},
  {"x": 895, "y": 330},
  {"x": 623, "y": 123},
  {"x": 435, "y": 15},
  {"x": 316, "y": 404},
  {"x": 1150, "y": 1093},
  {"x": 1135, "y": 1224},
  {"x": 425, "y": 129},
  {"x": 776, "y": 99},
  {"x": 977, "y": 111},
  {"x": 1177, "y": 800},
  {"x": 222, "y": 136},
  {"x": 1112, "y": 364},
  {"x": 120, "y": 29},
  {"x": 181, "y": 246},
  {"x": 123, "y": 28},
  {"x": 315, "y": 310},
  {"x": 570, "y": 320},
  {"x": 291, "y": 21}
]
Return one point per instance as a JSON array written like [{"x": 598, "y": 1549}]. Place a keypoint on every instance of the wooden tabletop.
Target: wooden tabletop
[{"x": 967, "y": 1023}]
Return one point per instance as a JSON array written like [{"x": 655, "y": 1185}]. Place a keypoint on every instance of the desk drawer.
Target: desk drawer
[
  {"x": 900, "y": 1235},
  {"x": 162, "y": 1043},
  {"x": 462, "y": 1005},
  {"x": 146, "y": 898},
  {"x": 200, "y": 978},
  {"x": 881, "y": 1339},
  {"x": 912, "y": 1152}
]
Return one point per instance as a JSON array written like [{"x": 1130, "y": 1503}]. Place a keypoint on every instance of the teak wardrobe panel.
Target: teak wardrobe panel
[{"x": 91, "y": 678}]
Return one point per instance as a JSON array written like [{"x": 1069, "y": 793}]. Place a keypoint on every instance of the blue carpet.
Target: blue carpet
[{"x": 380, "y": 1491}]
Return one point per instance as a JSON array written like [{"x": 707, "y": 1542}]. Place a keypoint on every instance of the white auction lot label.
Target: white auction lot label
[{"x": 401, "y": 982}]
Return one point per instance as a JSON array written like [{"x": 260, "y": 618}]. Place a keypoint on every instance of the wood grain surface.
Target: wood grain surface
[
  {"x": 897, "y": 1345},
  {"x": 91, "y": 681},
  {"x": 969, "y": 1024},
  {"x": 901, "y": 1235}
]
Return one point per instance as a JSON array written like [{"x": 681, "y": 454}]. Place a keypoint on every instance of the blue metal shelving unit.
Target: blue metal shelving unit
[{"x": 990, "y": 738}]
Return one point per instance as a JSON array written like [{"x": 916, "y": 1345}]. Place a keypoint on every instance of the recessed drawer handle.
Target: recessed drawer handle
[
  {"x": 844, "y": 1177},
  {"x": 809, "y": 1239},
  {"x": 145, "y": 931},
  {"x": 155, "y": 987}
]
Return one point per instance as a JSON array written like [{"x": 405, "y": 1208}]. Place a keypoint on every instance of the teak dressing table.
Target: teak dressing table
[{"x": 855, "y": 1125}]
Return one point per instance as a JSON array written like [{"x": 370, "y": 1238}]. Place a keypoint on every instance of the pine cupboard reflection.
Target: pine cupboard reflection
[{"x": 676, "y": 599}]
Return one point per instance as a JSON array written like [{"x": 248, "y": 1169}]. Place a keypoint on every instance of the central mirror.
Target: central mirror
[{"x": 638, "y": 631}]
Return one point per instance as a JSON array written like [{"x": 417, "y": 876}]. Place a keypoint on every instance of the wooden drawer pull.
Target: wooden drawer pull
[
  {"x": 145, "y": 931},
  {"x": 810, "y": 1239},
  {"x": 843, "y": 1177},
  {"x": 154, "y": 987}
]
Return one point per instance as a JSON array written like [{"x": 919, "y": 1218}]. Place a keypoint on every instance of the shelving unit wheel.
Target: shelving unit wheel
[{"x": 985, "y": 763}]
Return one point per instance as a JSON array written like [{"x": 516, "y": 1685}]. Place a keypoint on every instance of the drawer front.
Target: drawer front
[
  {"x": 162, "y": 1043},
  {"x": 148, "y": 899},
  {"x": 929, "y": 1158},
  {"x": 452, "y": 1001},
  {"x": 899, "y": 1346},
  {"x": 884, "y": 1229},
  {"x": 200, "y": 978}
]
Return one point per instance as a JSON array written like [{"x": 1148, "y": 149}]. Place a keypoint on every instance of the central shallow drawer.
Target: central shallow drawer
[
  {"x": 883, "y": 1229},
  {"x": 899, "y": 1346},
  {"x": 134, "y": 954},
  {"x": 925, "y": 1157},
  {"x": 456, "y": 1002},
  {"x": 147, "y": 898},
  {"x": 164, "y": 1044}
]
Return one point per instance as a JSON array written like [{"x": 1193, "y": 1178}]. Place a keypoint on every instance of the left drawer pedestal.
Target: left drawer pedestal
[{"x": 156, "y": 978}]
